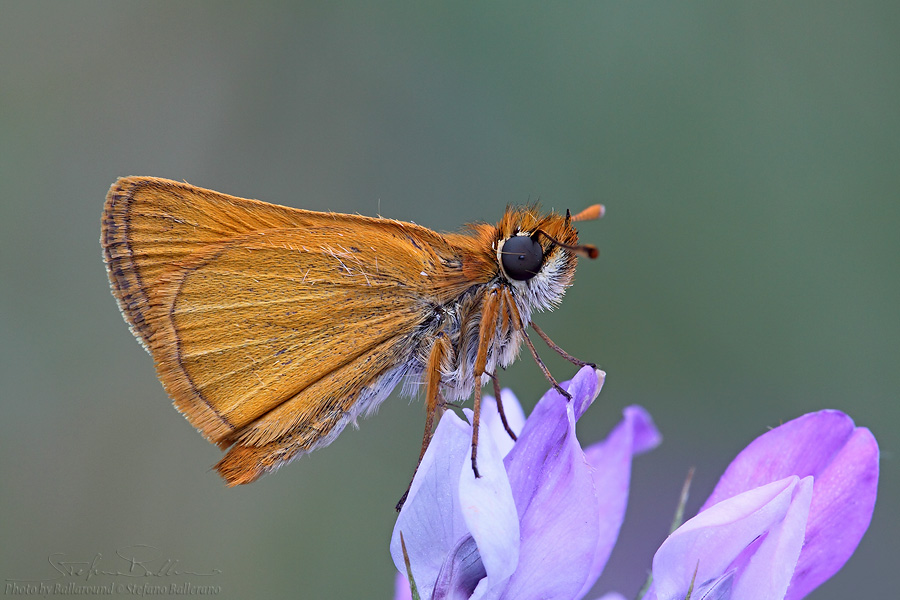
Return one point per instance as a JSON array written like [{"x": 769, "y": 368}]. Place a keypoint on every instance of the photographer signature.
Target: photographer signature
[{"x": 139, "y": 560}]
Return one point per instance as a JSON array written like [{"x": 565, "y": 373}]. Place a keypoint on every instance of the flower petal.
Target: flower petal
[
  {"x": 460, "y": 573},
  {"x": 769, "y": 571},
  {"x": 431, "y": 520},
  {"x": 843, "y": 459},
  {"x": 842, "y": 504},
  {"x": 709, "y": 544},
  {"x": 493, "y": 424},
  {"x": 489, "y": 510},
  {"x": 555, "y": 499},
  {"x": 610, "y": 461},
  {"x": 804, "y": 446},
  {"x": 585, "y": 387}
]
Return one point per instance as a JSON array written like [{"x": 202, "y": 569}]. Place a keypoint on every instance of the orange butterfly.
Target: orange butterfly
[{"x": 272, "y": 328}]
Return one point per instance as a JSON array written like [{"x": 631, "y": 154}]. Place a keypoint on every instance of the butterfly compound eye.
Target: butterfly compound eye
[{"x": 522, "y": 257}]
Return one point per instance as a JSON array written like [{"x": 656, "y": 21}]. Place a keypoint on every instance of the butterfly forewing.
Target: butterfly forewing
[
  {"x": 248, "y": 307},
  {"x": 150, "y": 225},
  {"x": 243, "y": 339}
]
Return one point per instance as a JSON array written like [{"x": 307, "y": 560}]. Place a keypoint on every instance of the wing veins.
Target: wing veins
[{"x": 288, "y": 350}]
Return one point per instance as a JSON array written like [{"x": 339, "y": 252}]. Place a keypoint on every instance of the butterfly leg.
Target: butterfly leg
[
  {"x": 517, "y": 325},
  {"x": 490, "y": 314},
  {"x": 506, "y": 426},
  {"x": 434, "y": 403},
  {"x": 558, "y": 350}
]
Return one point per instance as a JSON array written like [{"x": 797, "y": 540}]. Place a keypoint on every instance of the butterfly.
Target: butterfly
[{"x": 272, "y": 328}]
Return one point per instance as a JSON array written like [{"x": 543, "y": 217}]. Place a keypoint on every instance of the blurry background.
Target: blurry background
[{"x": 748, "y": 155}]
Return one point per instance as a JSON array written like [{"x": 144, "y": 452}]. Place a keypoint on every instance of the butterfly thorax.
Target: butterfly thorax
[{"x": 480, "y": 260}]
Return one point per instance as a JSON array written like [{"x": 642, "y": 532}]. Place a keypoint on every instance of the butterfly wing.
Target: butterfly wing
[
  {"x": 149, "y": 225},
  {"x": 271, "y": 327}
]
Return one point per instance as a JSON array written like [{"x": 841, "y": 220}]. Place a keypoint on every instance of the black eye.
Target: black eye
[{"x": 522, "y": 257}]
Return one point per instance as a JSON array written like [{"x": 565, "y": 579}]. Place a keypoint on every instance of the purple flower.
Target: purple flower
[
  {"x": 786, "y": 515},
  {"x": 541, "y": 520}
]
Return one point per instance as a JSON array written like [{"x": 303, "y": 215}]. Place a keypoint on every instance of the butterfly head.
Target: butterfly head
[{"x": 537, "y": 252}]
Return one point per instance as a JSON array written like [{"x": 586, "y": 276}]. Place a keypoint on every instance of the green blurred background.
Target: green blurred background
[{"x": 748, "y": 155}]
